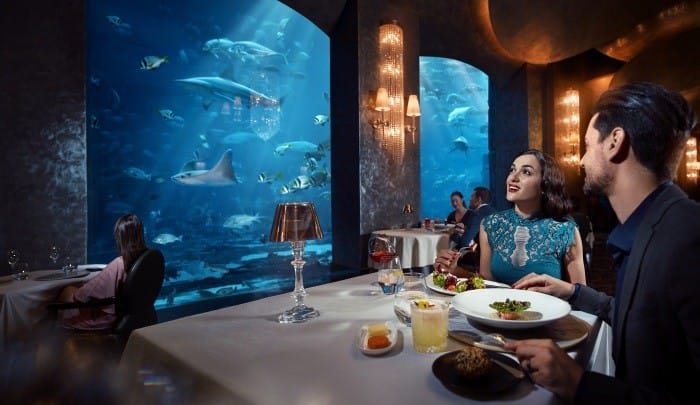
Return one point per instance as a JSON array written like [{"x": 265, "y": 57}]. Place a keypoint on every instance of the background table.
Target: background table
[
  {"x": 417, "y": 247},
  {"x": 241, "y": 354},
  {"x": 23, "y": 302}
]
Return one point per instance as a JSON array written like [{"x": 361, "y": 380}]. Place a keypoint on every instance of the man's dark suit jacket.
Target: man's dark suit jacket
[
  {"x": 472, "y": 228},
  {"x": 657, "y": 338}
]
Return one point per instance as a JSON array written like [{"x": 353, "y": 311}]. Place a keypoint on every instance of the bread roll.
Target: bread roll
[{"x": 472, "y": 362}]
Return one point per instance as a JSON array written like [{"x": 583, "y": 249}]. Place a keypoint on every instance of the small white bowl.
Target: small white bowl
[{"x": 363, "y": 335}]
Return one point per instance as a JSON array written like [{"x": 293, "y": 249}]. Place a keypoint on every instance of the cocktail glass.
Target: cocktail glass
[{"x": 429, "y": 325}]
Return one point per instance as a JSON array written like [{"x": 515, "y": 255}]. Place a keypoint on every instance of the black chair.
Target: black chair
[{"x": 134, "y": 300}]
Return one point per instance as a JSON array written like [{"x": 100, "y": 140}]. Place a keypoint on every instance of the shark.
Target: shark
[
  {"x": 210, "y": 87},
  {"x": 218, "y": 176}
]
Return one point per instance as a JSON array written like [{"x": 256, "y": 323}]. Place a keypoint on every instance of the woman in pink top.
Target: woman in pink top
[{"x": 131, "y": 243}]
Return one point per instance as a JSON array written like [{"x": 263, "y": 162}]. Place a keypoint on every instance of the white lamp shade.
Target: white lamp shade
[
  {"x": 382, "y": 103},
  {"x": 413, "y": 108}
]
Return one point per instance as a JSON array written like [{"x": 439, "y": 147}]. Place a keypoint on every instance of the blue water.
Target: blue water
[
  {"x": 454, "y": 132},
  {"x": 144, "y": 127}
]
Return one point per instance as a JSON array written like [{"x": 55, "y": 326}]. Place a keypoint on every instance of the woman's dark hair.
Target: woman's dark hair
[
  {"x": 458, "y": 194},
  {"x": 129, "y": 238},
  {"x": 554, "y": 200},
  {"x": 656, "y": 121}
]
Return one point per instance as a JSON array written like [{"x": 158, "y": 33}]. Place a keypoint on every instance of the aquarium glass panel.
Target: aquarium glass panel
[
  {"x": 454, "y": 148},
  {"x": 201, "y": 117}
]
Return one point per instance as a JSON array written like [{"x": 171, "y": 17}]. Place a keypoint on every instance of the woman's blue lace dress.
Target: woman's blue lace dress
[{"x": 521, "y": 246}]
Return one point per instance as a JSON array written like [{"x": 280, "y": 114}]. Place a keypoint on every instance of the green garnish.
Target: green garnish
[{"x": 509, "y": 306}]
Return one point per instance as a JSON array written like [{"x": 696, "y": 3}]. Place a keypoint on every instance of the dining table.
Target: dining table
[
  {"x": 23, "y": 302},
  {"x": 417, "y": 247},
  {"x": 241, "y": 354}
]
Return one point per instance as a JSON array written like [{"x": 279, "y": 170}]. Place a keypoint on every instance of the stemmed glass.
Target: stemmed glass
[
  {"x": 12, "y": 258},
  {"x": 54, "y": 255},
  {"x": 381, "y": 249}
]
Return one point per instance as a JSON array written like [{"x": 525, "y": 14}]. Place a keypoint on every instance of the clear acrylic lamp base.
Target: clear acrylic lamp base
[{"x": 297, "y": 314}]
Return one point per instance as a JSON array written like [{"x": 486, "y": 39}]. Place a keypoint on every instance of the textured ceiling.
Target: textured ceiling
[{"x": 658, "y": 39}]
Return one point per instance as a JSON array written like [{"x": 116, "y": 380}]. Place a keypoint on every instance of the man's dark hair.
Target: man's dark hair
[
  {"x": 656, "y": 121},
  {"x": 483, "y": 193}
]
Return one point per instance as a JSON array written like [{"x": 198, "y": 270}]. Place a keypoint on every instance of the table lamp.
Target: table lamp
[{"x": 296, "y": 222}]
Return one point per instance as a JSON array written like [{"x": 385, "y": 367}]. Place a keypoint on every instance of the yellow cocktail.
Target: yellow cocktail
[{"x": 429, "y": 325}]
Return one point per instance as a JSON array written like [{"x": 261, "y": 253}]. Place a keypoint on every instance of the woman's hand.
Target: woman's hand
[
  {"x": 548, "y": 365},
  {"x": 446, "y": 260},
  {"x": 545, "y": 283}
]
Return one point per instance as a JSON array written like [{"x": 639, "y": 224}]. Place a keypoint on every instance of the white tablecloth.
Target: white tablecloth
[
  {"x": 417, "y": 247},
  {"x": 241, "y": 354},
  {"x": 23, "y": 302}
]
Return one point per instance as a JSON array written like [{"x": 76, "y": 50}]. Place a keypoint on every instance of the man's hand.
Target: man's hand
[
  {"x": 548, "y": 365},
  {"x": 545, "y": 284}
]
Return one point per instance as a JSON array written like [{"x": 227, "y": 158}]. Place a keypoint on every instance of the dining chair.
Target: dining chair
[{"x": 134, "y": 302}]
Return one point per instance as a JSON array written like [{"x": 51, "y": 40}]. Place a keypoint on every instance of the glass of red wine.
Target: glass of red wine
[{"x": 381, "y": 249}]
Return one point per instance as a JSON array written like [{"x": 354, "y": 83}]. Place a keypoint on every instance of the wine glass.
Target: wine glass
[
  {"x": 12, "y": 258},
  {"x": 390, "y": 274},
  {"x": 67, "y": 266},
  {"x": 54, "y": 254},
  {"x": 380, "y": 249},
  {"x": 22, "y": 272}
]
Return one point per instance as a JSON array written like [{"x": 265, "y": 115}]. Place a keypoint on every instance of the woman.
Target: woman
[
  {"x": 130, "y": 241},
  {"x": 460, "y": 210},
  {"x": 536, "y": 235}
]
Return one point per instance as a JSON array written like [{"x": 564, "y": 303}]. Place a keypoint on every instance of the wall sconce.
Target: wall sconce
[
  {"x": 570, "y": 127},
  {"x": 390, "y": 66},
  {"x": 382, "y": 105},
  {"x": 413, "y": 111},
  {"x": 692, "y": 166}
]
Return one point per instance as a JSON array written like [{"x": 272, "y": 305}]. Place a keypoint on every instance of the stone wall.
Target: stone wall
[{"x": 42, "y": 130}]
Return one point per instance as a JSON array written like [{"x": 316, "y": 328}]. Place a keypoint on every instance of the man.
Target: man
[
  {"x": 468, "y": 236},
  {"x": 634, "y": 143}
]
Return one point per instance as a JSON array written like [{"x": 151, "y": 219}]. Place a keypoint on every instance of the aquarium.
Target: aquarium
[
  {"x": 454, "y": 148},
  {"x": 201, "y": 117}
]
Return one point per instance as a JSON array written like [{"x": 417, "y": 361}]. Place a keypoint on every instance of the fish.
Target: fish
[
  {"x": 116, "y": 21},
  {"x": 241, "y": 221},
  {"x": 238, "y": 137},
  {"x": 320, "y": 119},
  {"x": 458, "y": 116},
  {"x": 153, "y": 62},
  {"x": 217, "y": 87},
  {"x": 94, "y": 122},
  {"x": 285, "y": 189},
  {"x": 137, "y": 173},
  {"x": 249, "y": 50},
  {"x": 460, "y": 143},
  {"x": 166, "y": 238},
  {"x": 296, "y": 146},
  {"x": 264, "y": 178},
  {"x": 220, "y": 175},
  {"x": 95, "y": 80},
  {"x": 219, "y": 46},
  {"x": 301, "y": 182},
  {"x": 167, "y": 114}
]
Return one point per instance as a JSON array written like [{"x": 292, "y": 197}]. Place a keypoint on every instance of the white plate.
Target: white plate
[
  {"x": 362, "y": 336},
  {"x": 430, "y": 284},
  {"x": 91, "y": 267},
  {"x": 475, "y": 305}
]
